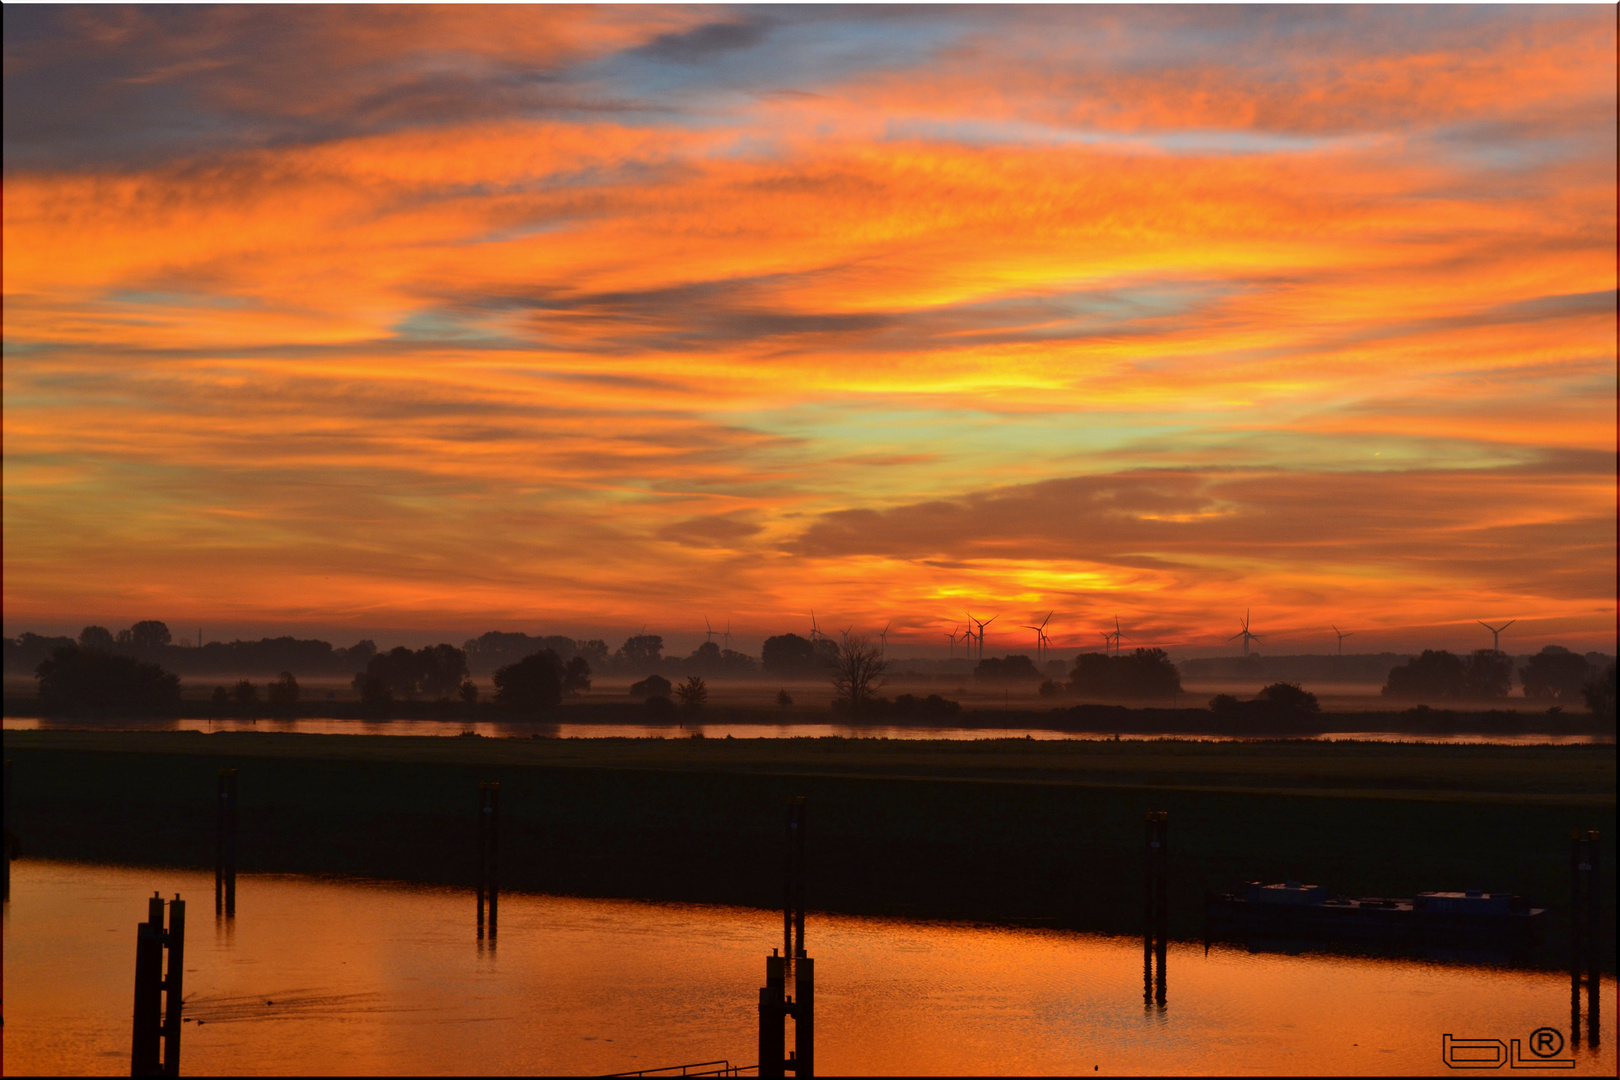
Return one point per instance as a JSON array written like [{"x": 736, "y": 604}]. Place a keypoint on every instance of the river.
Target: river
[
  {"x": 523, "y": 730},
  {"x": 319, "y": 976}
]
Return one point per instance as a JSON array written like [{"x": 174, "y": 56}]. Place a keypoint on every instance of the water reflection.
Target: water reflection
[
  {"x": 524, "y": 730},
  {"x": 323, "y": 976}
]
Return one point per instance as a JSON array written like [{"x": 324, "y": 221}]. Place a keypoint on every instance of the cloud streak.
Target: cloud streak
[{"x": 587, "y": 315}]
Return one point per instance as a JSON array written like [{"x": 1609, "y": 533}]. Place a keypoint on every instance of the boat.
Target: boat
[{"x": 1295, "y": 910}]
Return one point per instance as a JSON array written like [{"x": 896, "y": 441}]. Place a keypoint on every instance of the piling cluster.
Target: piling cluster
[
  {"x": 159, "y": 990},
  {"x": 775, "y": 1004}
]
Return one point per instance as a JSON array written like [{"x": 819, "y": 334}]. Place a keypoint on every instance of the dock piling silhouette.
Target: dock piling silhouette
[
  {"x": 225, "y": 844},
  {"x": 489, "y": 814},
  {"x": 1155, "y": 905},
  {"x": 155, "y": 1048}
]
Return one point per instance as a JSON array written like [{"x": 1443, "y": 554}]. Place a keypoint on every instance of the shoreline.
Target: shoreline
[{"x": 1080, "y": 719}]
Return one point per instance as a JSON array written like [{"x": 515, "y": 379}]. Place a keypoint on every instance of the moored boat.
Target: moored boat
[{"x": 1295, "y": 910}]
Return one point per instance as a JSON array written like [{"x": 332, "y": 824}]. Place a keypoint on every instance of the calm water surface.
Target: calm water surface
[
  {"x": 333, "y": 726},
  {"x": 337, "y": 976}
]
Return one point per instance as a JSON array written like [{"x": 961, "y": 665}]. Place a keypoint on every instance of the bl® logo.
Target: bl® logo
[{"x": 1545, "y": 1045}]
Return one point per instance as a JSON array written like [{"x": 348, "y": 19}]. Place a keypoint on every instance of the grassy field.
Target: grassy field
[{"x": 1000, "y": 830}]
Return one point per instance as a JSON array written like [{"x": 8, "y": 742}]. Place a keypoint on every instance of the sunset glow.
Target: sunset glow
[{"x": 576, "y": 320}]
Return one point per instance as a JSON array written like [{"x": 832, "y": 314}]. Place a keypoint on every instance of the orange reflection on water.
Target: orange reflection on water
[{"x": 344, "y": 977}]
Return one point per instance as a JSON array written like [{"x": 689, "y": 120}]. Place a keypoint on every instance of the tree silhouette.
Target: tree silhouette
[
  {"x": 439, "y": 670},
  {"x": 1599, "y": 694},
  {"x": 533, "y": 684},
  {"x": 375, "y": 695},
  {"x": 283, "y": 691},
  {"x": 98, "y": 638},
  {"x": 1144, "y": 673},
  {"x": 245, "y": 693},
  {"x": 1289, "y": 700},
  {"x": 1016, "y": 668},
  {"x": 639, "y": 654},
  {"x": 857, "y": 675},
  {"x": 576, "y": 678},
  {"x": 436, "y": 671},
  {"x": 1488, "y": 674},
  {"x": 693, "y": 694},
  {"x": 74, "y": 679},
  {"x": 1435, "y": 674},
  {"x": 149, "y": 635},
  {"x": 1555, "y": 674}
]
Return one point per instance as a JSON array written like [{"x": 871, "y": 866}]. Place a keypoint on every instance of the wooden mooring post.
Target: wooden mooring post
[
  {"x": 225, "y": 844},
  {"x": 155, "y": 1050},
  {"x": 1155, "y": 906},
  {"x": 775, "y": 1006},
  {"x": 489, "y": 816},
  {"x": 1586, "y": 935},
  {"x": 10, "y": 838}
]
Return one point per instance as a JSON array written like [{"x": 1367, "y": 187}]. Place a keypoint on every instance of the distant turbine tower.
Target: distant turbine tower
[
  {"x": 1496, "y": 633},
  {"x": 709, "y": 639},
  {"x": 883, "y": 636},
  {"x": 1245, "y": 635},
  {"x": 815, "y": 631},
  {"x": 953, "y": 635},
  {"x": 725, "y": 638},
  {"x": 1342, "y": 635}
]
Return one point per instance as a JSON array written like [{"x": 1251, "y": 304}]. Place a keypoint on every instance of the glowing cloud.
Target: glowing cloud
[{"x": 594, "y": 317}]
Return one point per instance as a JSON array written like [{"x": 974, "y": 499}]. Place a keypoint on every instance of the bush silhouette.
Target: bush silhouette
[
  {"x": 652, "y": 686},
  {"x": 74, "y": 679}
]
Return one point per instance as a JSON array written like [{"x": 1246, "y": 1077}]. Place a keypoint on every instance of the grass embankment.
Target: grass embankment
[{"x": 1005, "y": 830}]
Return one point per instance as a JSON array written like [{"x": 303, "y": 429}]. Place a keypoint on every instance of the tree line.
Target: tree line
[{"x": 1555, "y": 675}]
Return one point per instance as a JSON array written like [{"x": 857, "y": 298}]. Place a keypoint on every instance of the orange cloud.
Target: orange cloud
[{"x": 589, "y": 315}]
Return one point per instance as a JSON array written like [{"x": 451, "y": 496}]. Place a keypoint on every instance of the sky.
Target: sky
[{"x": 427, "y": 321}]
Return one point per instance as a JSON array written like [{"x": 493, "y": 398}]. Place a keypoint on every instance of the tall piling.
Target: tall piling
[
  {"x": 159, "y": 995},
  {"x": 1155, "y": 905},
  {"x": 10, "y": 838},
  {"x": 775, "y": 1005},
  {"x": 1586, "y": 934},
  {"x": 225, "y": 844},
  {"x": 793, "y": 883},
  {"x": 772, "y": 1014},
  {"x": 489, "y": 815}
]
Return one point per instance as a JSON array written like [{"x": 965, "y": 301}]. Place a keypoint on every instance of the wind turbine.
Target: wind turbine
[
  {"x": 1342, "y": 635},
  {"x": 725, "y": 638},
  {"x": 1113, "y": 638},
  {"x": 883, "y": 636},
  {"x": 1244, "y": 634},
  {"x": 982, "y": 623},
  {"x": 1041, "y": 640},
  {"x": 1496, "y": 633},
  {"x": 709, "y": 637},
  {"x": 815, "y": 631},
  {"x": 953, "y": 635}
]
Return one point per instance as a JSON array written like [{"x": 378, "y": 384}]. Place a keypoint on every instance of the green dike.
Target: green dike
[{"x": 1001, "y": 830}]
